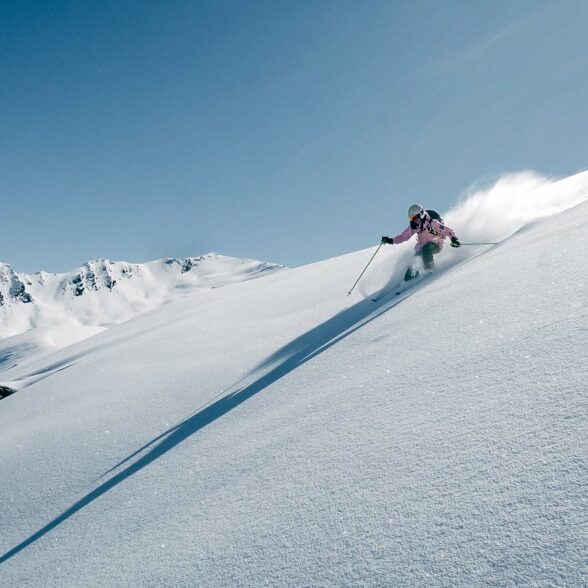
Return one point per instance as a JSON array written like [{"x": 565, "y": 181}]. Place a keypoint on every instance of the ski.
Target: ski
[{"x": 393, "y": 292}]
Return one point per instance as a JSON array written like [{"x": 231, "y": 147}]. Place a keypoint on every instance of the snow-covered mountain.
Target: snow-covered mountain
[
  {"x": 47, "y": 311},
  {"x": 280, "y": 433},
  {"x": 104, "y": 292}
]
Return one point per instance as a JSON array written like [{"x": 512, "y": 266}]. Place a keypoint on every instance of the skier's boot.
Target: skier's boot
[{"x": 411, "y": 273}]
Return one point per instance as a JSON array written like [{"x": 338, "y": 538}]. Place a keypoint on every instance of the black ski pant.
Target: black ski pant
[{"x": 426, "y": 252}]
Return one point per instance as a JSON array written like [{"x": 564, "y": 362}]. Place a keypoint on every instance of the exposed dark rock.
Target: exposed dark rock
[
  {"x": 14, "y": 288},
  {"x": 6, "y": 391},
  {"x": 79, "y": 286},
  {"x": 187, "y": 265}
]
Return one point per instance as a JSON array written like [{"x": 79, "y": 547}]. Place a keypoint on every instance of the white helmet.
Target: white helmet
[{"x": 416, "y": 210}]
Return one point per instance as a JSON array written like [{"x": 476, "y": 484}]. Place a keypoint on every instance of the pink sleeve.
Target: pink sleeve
[
  {"x": 404, "y": 236},
  {"x": 441, "y": 229}
]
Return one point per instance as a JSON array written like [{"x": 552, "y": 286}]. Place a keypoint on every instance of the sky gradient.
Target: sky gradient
[{"x": 282, "y": 131}]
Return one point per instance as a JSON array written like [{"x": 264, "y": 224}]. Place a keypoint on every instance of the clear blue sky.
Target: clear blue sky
[{"x": 288, "y": 131}]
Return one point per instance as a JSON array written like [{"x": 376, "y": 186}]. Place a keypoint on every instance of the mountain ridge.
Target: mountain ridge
[
  {"x": 45, "y": 310},
  {"x": 95, "y": 274}
]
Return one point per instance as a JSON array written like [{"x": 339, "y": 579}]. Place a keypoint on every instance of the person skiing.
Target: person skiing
[{"x": 431, "y": 234}]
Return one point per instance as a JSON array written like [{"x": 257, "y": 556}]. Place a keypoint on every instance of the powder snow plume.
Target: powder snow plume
[{"x": 514, "y": 201}]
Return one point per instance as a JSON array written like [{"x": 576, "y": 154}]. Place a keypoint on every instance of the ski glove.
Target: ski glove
[
  {"x": 455, "y": 242},
  {"x": 387, "y": 240}
]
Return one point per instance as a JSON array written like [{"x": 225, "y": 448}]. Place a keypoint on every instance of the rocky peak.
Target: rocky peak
[
  {"x": 98, "y": 274},
  {"x": 12, "y": 288}
]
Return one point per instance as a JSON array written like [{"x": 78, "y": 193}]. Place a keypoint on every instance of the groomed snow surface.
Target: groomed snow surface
[{"x": 277, "y": 432}]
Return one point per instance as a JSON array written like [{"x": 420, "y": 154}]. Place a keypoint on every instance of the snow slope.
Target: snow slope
[{"x": 277, "y": 432}]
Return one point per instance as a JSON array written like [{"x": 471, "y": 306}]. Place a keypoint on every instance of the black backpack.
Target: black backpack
[{"x": 434, "y": 215}]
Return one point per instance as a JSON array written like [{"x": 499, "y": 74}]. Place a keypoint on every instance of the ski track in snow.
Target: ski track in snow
[{"x": 328, "y": 442}]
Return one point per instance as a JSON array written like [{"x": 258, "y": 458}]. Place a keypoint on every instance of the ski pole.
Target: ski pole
[
  {"x": 363, "y": 272},
  {"x": 479, "y": 243}
]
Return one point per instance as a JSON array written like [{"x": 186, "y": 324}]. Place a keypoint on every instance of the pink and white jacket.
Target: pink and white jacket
[{"x": 428, "y": 230}]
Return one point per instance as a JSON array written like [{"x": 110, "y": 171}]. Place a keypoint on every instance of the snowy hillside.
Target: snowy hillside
[
  {"x": 277, "y": 432},
  {"x": 47, "y": 311}
]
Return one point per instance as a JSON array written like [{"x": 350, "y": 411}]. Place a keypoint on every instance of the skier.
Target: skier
[{"x": 431, "y": 234}]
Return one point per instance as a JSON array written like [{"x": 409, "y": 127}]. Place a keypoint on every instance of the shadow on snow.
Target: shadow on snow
[{"x": 275, "y": 367}]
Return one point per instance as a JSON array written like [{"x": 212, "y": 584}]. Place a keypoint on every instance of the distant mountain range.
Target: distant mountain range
[{"x": 103, "y": 292}]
